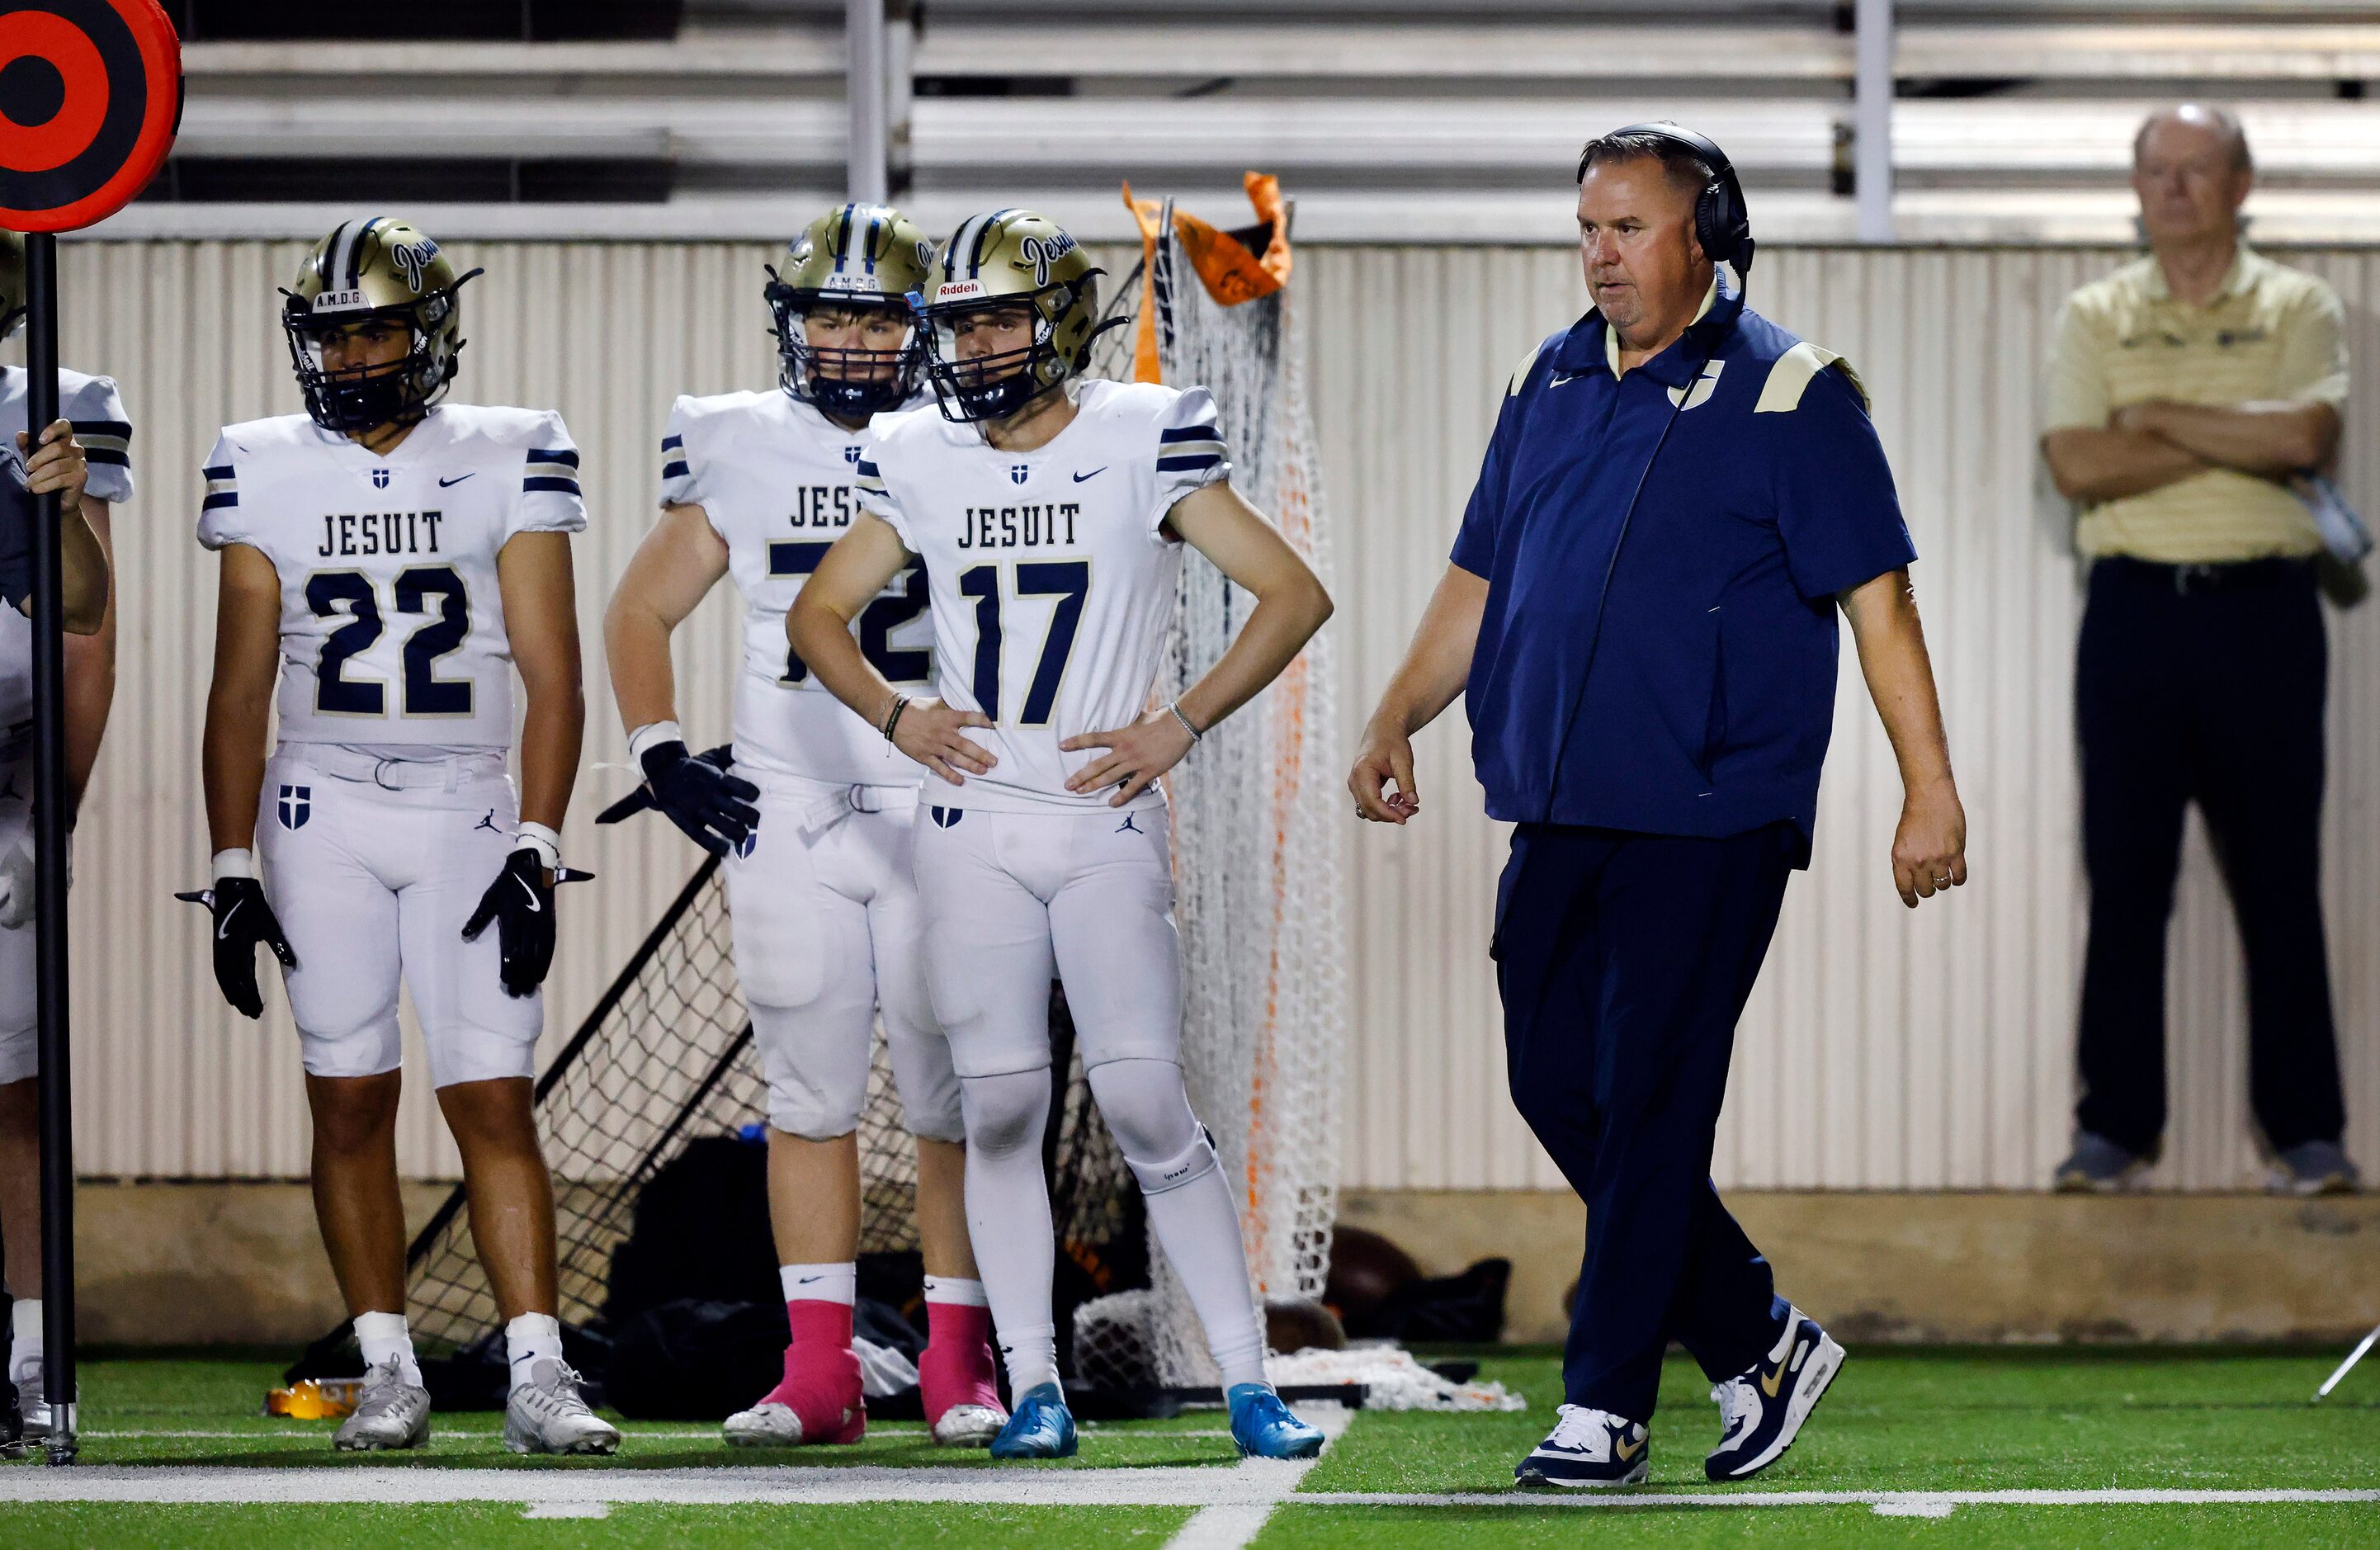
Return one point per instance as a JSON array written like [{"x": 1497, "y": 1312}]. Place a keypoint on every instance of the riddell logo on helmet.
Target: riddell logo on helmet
[{"x": 957, "y": 291}]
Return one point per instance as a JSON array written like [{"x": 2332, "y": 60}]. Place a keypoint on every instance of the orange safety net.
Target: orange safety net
[{"x": 1230, "y": 272}]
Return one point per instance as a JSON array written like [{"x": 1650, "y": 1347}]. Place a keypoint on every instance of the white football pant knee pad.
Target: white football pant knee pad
[
  {"x": 1006, "y": 1114},
  {"x": 816, "y": 1070}
]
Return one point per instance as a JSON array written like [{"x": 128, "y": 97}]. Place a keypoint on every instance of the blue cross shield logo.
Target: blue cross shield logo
[
  {"x": 379, "y": 478},
  {"x": 1020, "y": 473},
  {"x": 851, "y": 455},
  {"x": 749, "y": 843},
  {"x": 947, "y": 817},
  {"x": 296, "y": 805}
]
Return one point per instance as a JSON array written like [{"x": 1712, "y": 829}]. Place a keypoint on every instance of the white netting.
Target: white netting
[
  {"x": 1255, "y": 848},
  {"x": 1393, "y": 1380}
]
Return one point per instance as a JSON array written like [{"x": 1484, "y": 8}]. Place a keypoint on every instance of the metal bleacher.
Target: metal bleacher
[{"x": 1393, "y": 119}]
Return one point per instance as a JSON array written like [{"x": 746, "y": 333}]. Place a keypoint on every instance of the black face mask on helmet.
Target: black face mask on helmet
[
  {"x": 848, "y": 384},
  {"x": 365, "y": 397},
  {"x": 996, "y": 387}
]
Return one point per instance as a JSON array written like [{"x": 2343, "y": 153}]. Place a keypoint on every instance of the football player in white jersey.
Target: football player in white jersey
[
  {"x": 815, "y": 816},
  {"x": 1050, "y": 514},
  {"x": 99, "y": 442},
  {"x": 390, "y": 559}
]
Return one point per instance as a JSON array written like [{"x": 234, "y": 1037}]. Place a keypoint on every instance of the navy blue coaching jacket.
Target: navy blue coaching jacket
[{"x": 1679, "y": 679}]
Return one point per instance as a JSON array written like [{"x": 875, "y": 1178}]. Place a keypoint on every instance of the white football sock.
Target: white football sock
[
  {"x": 25, "y": 1342},
  {"x": 1007, "y": 1218},
  {"x": 387, "y": 1337},
  {"x": 1190, "y": 1208},
  {"x": 529, "y": 1338},
  {"x": 820, "y": 1283},
  {"x": 956, "y": 1292}
]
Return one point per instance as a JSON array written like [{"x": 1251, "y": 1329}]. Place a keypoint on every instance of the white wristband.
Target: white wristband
[
  {"x": 650, "y": 734},
  {"x": 235, "y": 863},
  {"x": 544, "y": 841}
]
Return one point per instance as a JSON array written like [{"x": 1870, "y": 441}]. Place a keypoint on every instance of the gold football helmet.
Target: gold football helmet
[
  {"x": 855, "y": 257},
  {"x": 377, "y": 269},
  {"x": 998, "y": 261}
]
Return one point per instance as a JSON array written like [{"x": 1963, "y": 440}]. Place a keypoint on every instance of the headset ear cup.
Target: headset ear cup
[{"x": 1715, "y": 222}]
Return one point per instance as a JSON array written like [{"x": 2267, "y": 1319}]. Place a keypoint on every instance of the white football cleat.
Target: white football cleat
[
  {"x": 391, "y": 1414},
  {"x": 547, "y": 1414},
  {"x": 765, "y": 1424},
  {"x": 969, "y": 1426}
]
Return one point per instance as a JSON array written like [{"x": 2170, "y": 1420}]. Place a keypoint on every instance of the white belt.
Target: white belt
[
  {"x": 823, "y": 803},
  {"x": 450, "y": 772}
]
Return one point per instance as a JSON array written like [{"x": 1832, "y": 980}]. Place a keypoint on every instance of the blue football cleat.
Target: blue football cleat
[
  {"x": 1265, "y": 1428},
  {"x": 1042, "y": 1427}
]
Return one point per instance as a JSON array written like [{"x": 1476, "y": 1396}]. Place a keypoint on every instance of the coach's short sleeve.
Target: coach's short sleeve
[
  {"x": 221, "y": 522},
  {"x": 550, "y": 498},
  {"x": 1836, "y": 509},
  {"x": 1474, "y": 541},
  {"x": 681, "y": 485},
  {"x": 105, "y": 433},
  {"x": 2076, "y": 396},
  {"x": 1190, "y": 450},
  {"x": 876, "y": 498},
  {"x": 2312, "y": 367}
]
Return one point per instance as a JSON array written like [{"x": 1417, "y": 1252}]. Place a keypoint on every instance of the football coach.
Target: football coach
[{"x": 1640, "y": 614}]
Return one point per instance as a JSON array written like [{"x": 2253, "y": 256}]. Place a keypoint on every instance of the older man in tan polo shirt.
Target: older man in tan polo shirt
[{"x": 2187, "y": 393}]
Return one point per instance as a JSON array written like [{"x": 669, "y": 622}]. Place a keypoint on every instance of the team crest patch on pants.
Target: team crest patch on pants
[
  {"x": 296, "y": 805},
  {"x": 947, "y": 817},
  {"x": 749, "y": 843}
]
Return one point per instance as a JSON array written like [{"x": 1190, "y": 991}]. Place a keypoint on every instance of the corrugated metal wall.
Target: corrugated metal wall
[{"x": 1883, "y": 1050}]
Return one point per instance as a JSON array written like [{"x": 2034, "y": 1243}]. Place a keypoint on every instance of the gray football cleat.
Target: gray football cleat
[
  {"x": 32, "y": 1409},
  {"x": 547, "y": 1414},
  {"x": 391, "y": 1414},
  {"x": 2099, "y": 1166},
  {"x": 2316, "y": 1167}
]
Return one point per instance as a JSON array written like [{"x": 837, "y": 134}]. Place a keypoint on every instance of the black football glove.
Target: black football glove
[
  {"x": 695, "y": 792},
  {"x": 520, "y": 903},
  {"x": 242, "y": 920}
]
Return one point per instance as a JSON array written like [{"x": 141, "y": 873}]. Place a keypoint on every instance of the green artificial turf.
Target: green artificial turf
[{"x": 1896, "y": 1420}]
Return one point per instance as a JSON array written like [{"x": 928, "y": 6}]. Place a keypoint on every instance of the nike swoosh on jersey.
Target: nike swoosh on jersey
[
  {"x": 459, "y": 478},
  {"x": 1093, "y": 474},
  {"x": 1558, "y": 381}
]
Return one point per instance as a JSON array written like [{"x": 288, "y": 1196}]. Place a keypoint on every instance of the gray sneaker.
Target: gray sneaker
[
  {"x": 391, "y": 1414},
  {"x": 2316, "y": 1167},
  {"x": 548, "y": 1415},
  {"x": 2099, "y": 1166}
]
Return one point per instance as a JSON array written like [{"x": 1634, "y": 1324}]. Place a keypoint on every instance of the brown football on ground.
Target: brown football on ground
[
  {"x": 1365, "y": 1268},
  {"x": 1300, "y": 1323}
]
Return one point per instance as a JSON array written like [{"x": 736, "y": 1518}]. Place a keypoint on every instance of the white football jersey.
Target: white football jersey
[
  {"x": 1053, "y": 586},
  {"x": 105, "y": 433},
  {"x": 392, "y": 621},
  {"x": 777, "y": 479}
]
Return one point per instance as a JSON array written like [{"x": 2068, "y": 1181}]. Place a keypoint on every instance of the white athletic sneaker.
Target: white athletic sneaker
[
  {"x": 1586, "y": 1449},
  {"x": 547, "y": 1415},
  {"x": 31, "y": 1408},
  {"x": 391, "y": 1414}
]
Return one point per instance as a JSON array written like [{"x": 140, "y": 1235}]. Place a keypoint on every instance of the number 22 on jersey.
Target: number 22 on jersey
[{"x": 331, "y": 593}]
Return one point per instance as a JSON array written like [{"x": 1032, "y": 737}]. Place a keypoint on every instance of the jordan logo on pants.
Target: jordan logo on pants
[{"x": 296, "y": 806}]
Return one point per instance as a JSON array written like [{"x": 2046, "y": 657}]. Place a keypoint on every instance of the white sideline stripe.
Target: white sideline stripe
[
  {"x": 567, "y": 1509},
  {"x": 1240, "y": 1486},
  {"x": 1913, "y": 1502},
  {"x": 1230, "y": 1525}
]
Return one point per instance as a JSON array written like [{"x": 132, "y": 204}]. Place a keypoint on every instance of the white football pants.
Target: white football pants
[
  {"x": 20, "y": 1044},
  {"x": 828, "y": 935},
  {"x": 373, "y": 867}
]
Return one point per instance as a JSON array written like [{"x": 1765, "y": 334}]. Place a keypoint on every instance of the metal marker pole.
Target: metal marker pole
[
  {"x": 1872, "y": 119},
  {"x": 50, "y": 868},
  {"x": 866, "y": 88}
]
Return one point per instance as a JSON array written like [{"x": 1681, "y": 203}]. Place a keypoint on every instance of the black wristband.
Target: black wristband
[
  {"x": 900, "y": 703},
  {"x": 661, "y": 758}
]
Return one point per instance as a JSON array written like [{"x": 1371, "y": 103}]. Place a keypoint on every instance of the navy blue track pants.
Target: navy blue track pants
[{"x": 1624, "y": 960}]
